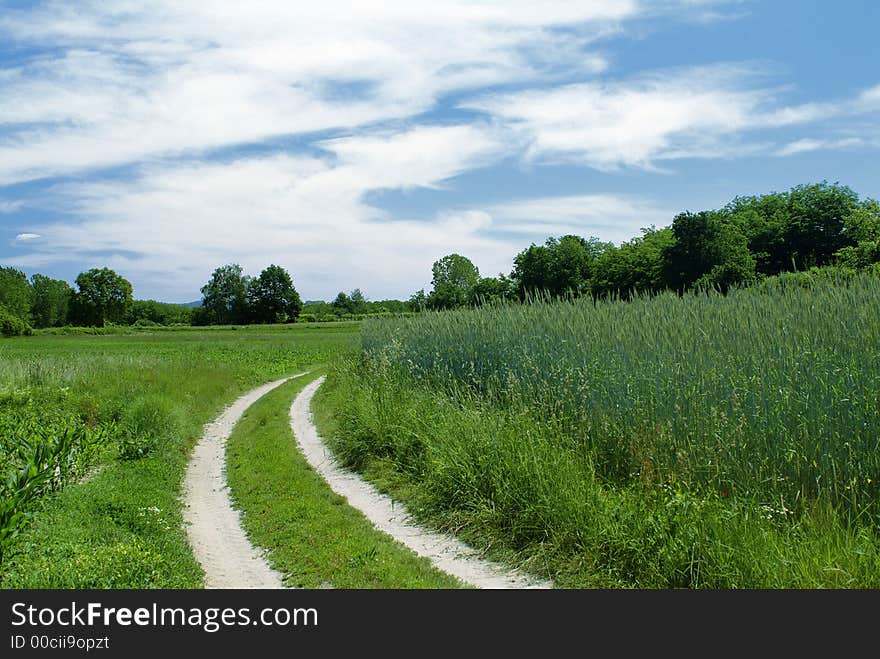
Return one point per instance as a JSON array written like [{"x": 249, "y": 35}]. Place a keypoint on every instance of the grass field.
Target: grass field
[
  {"x": 704, "y": 441},
  {"x": 96, "y": 434},
  {"x": 699, "y": 442}
]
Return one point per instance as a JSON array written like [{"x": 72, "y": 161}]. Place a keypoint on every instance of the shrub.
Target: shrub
[{"x": 11, "y": 325}]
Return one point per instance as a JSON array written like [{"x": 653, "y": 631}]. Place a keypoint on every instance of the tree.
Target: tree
[
  {"x": 418, "y": 301},
  {"x": 358, "y": 301},
  {"x": 224, "y": 297},
  {"x": 453, "y": 277},
  {"x": 763, "y": 220},
  {"x": 559, "y": 267},
  {"x": 272, "y": 297},
  {"x": 531, "y": 270},
  {"x": 15, "y": 293},
  {"x": 818, "y": 215},
  {"x": 103, "y": 296},
  {"x": 707, "y": 250},
  {"x": 146, "y": 312},
  {"x": 51, "y": 301},
  {"x": 11, "y": 325},
  {"x": 342, "y": 304},
  {"x": 862, "y": 228},
  {"x": 635, "y": 266},
  {"x": 491, "y": 289}
]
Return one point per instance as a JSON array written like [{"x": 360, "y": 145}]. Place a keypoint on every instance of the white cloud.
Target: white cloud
[
  {"x": 170, "y": 227},
  {"x": 134, "y": 81},
  {"x": 419, "y": 157},
  {"x": 161, "y": 85},
  {"x": 808, "y": 144},
  {"x": 24, "y": 237},
  {"x": 694, "y": 112},
  {"x": 870, "y": 98}
]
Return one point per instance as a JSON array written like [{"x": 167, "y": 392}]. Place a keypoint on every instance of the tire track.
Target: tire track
[{"x": 213, "y": 526}]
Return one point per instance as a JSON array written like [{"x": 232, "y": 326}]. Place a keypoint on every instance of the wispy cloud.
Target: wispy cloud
[
  {"x": 127, "y": 82},
  {"x": 373, "y": 93},
  {"x": 693, "y": 112},
  {"x": 7, "y": 207},
  {"x": 306, "y": 213},
  {"x": 808, "y": 144}
]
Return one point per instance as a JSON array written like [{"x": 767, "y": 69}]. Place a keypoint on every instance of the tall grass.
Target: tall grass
[
  {"x": 573, "y": 423},
  {"x": 771, "y": 395}
]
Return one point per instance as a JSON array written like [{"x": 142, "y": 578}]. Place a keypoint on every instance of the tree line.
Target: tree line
[
  {"x": 232, "y": 297},
  {"x": 749, "y": 239},
  {"x": 101, "y": 296},
  {"x": 229, "y": 297}
]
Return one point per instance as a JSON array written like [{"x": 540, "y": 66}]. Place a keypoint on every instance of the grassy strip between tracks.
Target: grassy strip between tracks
[{"x": 314, "y": 538}]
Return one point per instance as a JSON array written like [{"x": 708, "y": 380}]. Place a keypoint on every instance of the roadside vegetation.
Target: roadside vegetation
[
  {"x": 696, "y": 441},
  {"x": 97, "y": 432}
]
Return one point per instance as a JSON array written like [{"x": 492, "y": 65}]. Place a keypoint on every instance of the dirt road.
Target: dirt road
[{"x": 213, "y": 525}]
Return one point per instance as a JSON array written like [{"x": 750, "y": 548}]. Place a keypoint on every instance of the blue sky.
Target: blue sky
[{"x": 355, "y": 143}]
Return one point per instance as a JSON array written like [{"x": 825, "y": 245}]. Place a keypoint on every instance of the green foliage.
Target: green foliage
[
  {"x": 707, "y": 251},
  {"x": 225, "y": 295},
  {"x": 749, "y": 238},
  {"x": 491, "y": 290},
  {"x": 863, "y": 229},
  {"x": 231, "y": 297},
  {"x": 272, "y": 298},
  {"x": 12, "y": 325},
  {"x": 352, "y": 304},
  {"x": 146, "y": 424},
  {"x": 352, "y": 307},
  {"x": 817, "y": 219},
  {"x": 38, "y": 455},
  {"x": 15, "y": 293},
  {"x": 559, "y": 268},
  {"x": 51, "y": 300},
  {"x": 358, "y": 301},
  {"x": 103, "y": 296},
  {"x": 149, "y": 313},
  {"x": 694, "y": 441},
  {"x": 636, "y": 266},
  {"x": 418, "y": 301},
  {"x": 453, "y": 278}
]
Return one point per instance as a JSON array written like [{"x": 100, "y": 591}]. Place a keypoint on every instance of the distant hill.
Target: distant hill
[{"x": 191, "y": 305}]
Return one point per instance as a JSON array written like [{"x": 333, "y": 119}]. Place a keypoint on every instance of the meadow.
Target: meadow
[
  {"x": 702, "y": 441},
  {"x": 96, "y": 431},
  {"x": 695, "y": 441}
]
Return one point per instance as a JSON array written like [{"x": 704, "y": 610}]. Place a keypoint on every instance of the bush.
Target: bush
[{"x": 11, "y": 325}]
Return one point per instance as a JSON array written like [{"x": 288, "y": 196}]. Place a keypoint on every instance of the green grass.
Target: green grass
[
  {"x": 697, "y": 442},
  {"x": 148, "y": 395},
  {"x": 314, "y": 538}
]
